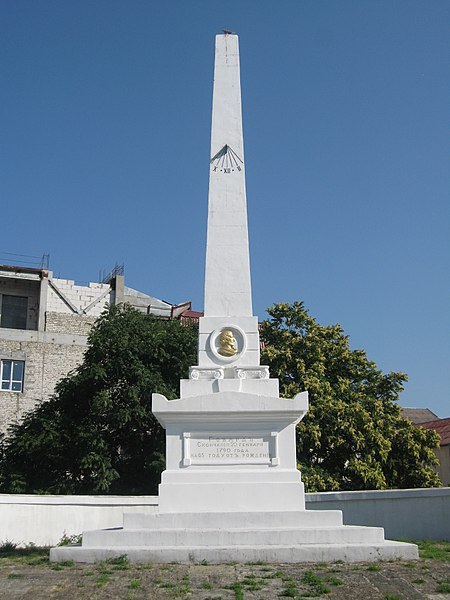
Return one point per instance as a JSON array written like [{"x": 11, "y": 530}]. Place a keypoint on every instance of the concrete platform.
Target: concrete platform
[
  {"x": 288, "y": 537},
  {"x": 387, "y": 550}
]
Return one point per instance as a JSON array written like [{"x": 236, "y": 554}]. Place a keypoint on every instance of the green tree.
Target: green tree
[
  {"x": 97, "y": 434},
  {"x": 353, "y": 437}
]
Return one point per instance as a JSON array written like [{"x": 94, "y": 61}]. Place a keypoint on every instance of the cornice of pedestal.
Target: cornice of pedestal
[{"x": 230, "y": 407}]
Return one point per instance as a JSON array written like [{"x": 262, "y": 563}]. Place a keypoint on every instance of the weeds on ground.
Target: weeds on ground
[
  {"x": 315, "y": 584},
  {"x": 70, "y": 540},
  {"x": 290, "y": 590},
  {"x": 238, "y": 591},
  {"x": 118, "y": 563},
  {"x": 60, "y": 566},
  {"x": 434, "y": 550},
  {"x": 10, "y": 550},
  {"x": 443, "y": 587},
  {"x": 334, "y": 580},
  {"x": 102, "y": 580}
]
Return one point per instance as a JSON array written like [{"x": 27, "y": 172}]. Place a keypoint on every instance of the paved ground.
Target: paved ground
[{"x": 32, "y": 577}]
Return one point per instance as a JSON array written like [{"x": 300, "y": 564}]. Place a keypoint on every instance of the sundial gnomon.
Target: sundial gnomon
[{"x": 226, "y": 160}]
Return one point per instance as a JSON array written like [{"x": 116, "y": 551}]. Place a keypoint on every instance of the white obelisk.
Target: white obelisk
[
  {"x": 231, "y": 490},
  {"x": 228, "y": 301},
  {"x": 227, "y": 276}
]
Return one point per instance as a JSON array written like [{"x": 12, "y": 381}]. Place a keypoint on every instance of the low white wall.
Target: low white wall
[
  {"x": 44, "y": 520},
  {"x": 417, "y": 514}
]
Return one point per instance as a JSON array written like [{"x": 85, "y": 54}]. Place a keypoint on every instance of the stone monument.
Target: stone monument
[{"x": 231, "y": 490}]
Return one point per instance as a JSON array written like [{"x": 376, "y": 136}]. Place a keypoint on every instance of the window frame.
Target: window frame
[
  {"x": 27, "y": 298},
  {"x": 10, "y": 380}
]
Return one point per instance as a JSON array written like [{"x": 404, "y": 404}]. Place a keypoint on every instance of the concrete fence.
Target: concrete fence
[
  {"x": 43, "y": 520},
  {"x": 417, "y": 514}
]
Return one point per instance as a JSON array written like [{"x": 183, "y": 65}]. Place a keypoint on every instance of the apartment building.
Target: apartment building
[{"x": 44, "y": 324}]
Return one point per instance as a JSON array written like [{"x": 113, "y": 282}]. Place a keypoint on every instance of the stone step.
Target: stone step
[
  {"x": 224, "y": 520},
  {"x": 233, "y": 537},
  {"x": 388, "y": 550}
]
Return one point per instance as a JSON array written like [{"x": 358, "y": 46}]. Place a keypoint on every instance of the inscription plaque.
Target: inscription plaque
[{"x": 230, "y": 449}]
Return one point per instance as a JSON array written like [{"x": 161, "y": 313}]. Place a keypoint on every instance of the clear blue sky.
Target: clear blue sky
[{"x": 105, "y": 123}]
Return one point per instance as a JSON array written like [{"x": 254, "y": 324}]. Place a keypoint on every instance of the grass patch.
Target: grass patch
[
  {"x": 102, "y": 580},
  {"x": 207, "y": 585},
  {"x": 374, "y": 567},
  {"x": 7, "y": 547},
  {"x": 434, "y": 550},
  {"x": 419, "y": 580},
  {"x": 290, "y": 590},
  {"x": 16, "y": 576},
  {"x": 315, "y": 584},
  {"x": 279, "y": 574},
  {"x": 104, "y": 569},
  {"x": 135, "y": 584},
  {"x": 252, "y": 584},
  {"x": 36, "y": 561},
  {"x": 334, "y": 580},
  {"x": 443, "y": 587},
  {"x": 70, "y": 540},
  {"x": 10, "y": 550},
  {"x": 120, "y": 563},
  {"x": 66, "y": 563},
  {"x": 238, "y": 590}
]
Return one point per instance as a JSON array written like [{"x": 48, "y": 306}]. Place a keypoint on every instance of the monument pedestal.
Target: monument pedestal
[
  {"x": 232, "y": 492},
  {"x": 230, "y": 451}
]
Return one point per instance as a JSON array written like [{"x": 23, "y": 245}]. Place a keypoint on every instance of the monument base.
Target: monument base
[
  {"x": 274, "y": 537},
  {"x": 232, "y": 493}
]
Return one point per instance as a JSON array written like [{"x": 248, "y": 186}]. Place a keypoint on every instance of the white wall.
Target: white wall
[
  {"x": 412, "y": 514},
  {"x": 416, "y": 514},
  {"x": 44, "y": 519}
]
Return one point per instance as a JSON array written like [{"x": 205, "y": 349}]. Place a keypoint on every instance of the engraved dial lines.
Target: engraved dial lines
[{"x": 226, "y": 161}]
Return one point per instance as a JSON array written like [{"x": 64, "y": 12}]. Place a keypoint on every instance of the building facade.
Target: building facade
[{"x": 44, "y": 324}]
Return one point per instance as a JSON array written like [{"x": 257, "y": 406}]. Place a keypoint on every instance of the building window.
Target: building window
[
  {"x": 14, "y": 312},
  {"x": 12, "y": 372}
]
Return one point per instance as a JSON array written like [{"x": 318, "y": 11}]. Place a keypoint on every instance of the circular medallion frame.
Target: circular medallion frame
[{"x": 239, "y": 336}]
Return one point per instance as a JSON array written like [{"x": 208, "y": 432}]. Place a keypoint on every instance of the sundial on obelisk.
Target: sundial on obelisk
[{"x": 226, "y": 160}]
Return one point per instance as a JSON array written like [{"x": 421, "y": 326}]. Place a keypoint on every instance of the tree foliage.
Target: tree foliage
[
  {"x": 97, "y": 434},
  {"x": 353, "y": 437}
]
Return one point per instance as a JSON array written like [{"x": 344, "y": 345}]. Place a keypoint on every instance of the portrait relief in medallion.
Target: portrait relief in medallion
[{"x": 228, "y": 344}]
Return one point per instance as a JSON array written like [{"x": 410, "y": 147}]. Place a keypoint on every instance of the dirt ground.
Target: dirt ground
[{"x": 29, "y": 576}]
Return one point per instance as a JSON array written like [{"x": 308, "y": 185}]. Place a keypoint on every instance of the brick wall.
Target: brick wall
[
  {"x": 80, "y": 296},
  {"x": 57, "y": 322},
  {"x": 46, "y": 362}
]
